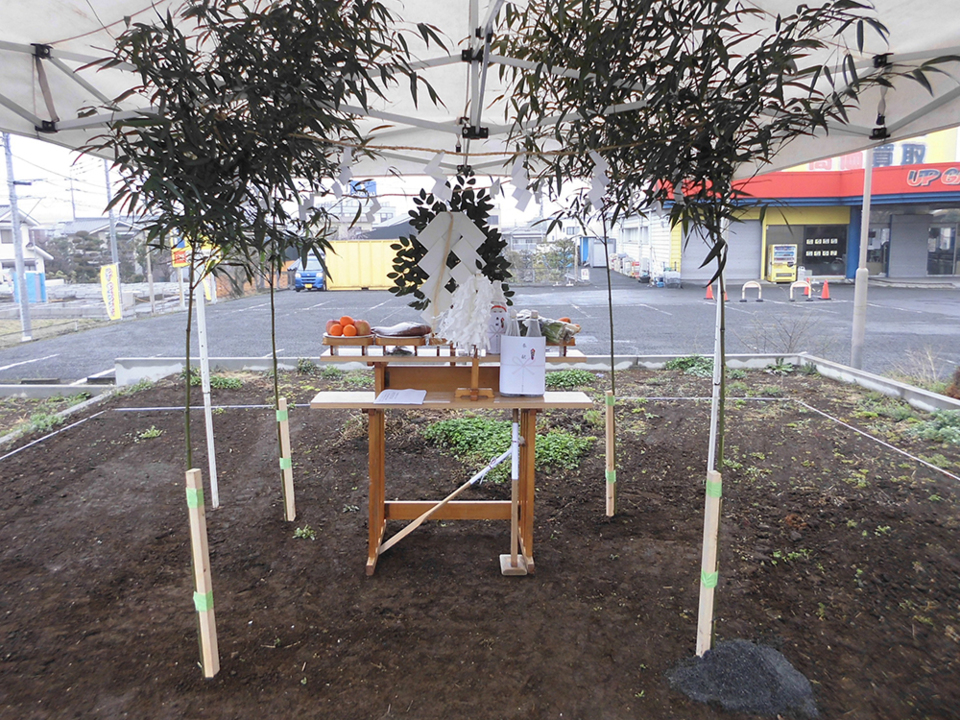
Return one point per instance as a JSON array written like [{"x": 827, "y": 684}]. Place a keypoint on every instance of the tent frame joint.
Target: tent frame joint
[
  {"x": 472, "y": 132},
  {"x": 47, "y": 126},
  {"x": 42, "y": 51}
]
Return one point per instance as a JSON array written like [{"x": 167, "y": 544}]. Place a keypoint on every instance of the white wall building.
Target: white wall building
[{"x": 33, "y": 256}]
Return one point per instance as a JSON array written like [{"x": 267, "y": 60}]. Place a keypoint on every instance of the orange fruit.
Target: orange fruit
[
  {"x": 336, "y": 329},
  {"x": 566, "y": 320},
  {"x": 346, "y": 320},
  {"x": 330, "y": 324},
  {"x": 350, "y": 330}
]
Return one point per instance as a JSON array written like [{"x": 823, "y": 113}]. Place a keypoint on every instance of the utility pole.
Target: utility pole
[
  {"x": 21, "y": 279},
  {"x": 114, "y": 255}
]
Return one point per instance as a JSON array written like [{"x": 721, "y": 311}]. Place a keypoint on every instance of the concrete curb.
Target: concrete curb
[{"x": 130, "y": 371}]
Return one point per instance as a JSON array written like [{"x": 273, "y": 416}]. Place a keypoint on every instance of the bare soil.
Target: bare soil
[{"x": 836, "y": 549}]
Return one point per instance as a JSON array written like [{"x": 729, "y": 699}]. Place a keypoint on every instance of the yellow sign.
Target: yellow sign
[
  {"x": 110, "y": 286},
  {"x": 207, "y": 254}
]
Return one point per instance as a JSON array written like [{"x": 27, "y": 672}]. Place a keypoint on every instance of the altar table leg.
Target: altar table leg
[
  {"x": 528, "y": 431},
  {"x": 377, "y": 487}
]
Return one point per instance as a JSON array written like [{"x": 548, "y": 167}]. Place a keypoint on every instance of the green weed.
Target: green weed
[
  {"x": 151, "y": 432},
  {"x": 696, "y": 365},
  {"x": 305, "y": 533},
  {"x": 943, "y": 426},
  {"x": 569, "y": 379},
  {"x": 478, "y": 440}
]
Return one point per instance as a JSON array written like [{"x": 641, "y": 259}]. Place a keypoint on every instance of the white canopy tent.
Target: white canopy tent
[{"x": 44, "y": 84}]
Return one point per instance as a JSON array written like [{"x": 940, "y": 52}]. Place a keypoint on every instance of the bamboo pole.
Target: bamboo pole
[
  {"x": 203, "y": 582},
  {"x": 708, "y": 566},
  {"x": 286, "y": 463},
  {"x": 611, "y": 470}
]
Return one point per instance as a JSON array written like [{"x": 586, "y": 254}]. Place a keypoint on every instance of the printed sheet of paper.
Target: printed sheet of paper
[{"x": 401, "y": 397}]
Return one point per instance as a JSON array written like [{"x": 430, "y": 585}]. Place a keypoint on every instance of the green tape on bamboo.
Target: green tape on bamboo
[
  {"x": 709, "y": 580},
  {"x": 283, "y": 415},
  {"x": 611, "y": 400},
  {"x": 611, "y": 476},
  {"x": 203, "y": 601},
  {"x": 714, "y": 488},
  {"x": 286, "y": 463},
  {"x": 194, "y": 497}
]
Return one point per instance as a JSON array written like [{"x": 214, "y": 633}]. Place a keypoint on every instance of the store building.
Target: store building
[{"x": 811, "y": 220}]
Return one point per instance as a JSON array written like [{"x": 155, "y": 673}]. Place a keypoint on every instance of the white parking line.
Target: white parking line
[
  {"x": 652, "y": 307},
  {"x": 252, "y": 307},
  {"x": 27, "y": 362}
]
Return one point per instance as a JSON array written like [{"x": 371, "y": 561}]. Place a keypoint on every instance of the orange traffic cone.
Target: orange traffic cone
[
  {"x": 825, "y": 293},
  {"x": 709, "y": 293},
  {"x": 725, "y": 298},
  {"x": 806, "y": 292}
]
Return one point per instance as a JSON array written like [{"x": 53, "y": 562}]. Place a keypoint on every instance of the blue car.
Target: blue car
[{"x": 310, "y": 277}]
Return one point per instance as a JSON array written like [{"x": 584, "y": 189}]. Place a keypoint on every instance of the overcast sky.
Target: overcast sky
[{"x": 54, "y": 171}]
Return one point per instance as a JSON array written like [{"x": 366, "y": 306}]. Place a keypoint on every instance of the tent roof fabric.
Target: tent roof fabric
[{"x": 45, "y": 46}]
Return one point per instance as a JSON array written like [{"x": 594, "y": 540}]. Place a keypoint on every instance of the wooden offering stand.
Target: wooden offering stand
[
  {"x": 338, "y": 341},
  {"x": 442, "y": 378}
]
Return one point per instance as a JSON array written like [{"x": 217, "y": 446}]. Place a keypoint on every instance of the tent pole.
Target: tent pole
[
  {"x": 20, "y": 278},
  {"x": 860, "y": 288}
]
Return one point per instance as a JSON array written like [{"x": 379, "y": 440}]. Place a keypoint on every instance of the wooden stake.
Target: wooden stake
[
  {"x": 286, "y": 463},
  {"x": 203, "y": 583},
  {"x": 611, "y": 468},
  {"x": 708, "y": 568}
]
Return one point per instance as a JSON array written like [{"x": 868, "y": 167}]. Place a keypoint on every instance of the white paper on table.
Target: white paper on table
[
  {"x": 409, "y": 396},
  {"x": 522, "y": 365}
]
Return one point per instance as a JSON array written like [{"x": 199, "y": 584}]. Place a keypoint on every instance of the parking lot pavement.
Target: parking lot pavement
[{"x": 906, "y": 327}]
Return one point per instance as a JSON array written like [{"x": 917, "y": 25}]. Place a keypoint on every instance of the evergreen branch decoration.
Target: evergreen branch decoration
[{"x": 475, "y": 203}]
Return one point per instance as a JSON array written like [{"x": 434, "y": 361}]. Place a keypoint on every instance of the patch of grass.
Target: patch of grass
[
  {"x": 569, "y": 379},
  {"x": 696, "y": 365},
  {"x": 217, "y": 382},
  {"x": 478, "y": 440}
]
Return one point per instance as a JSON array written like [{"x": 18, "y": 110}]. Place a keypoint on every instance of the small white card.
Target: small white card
[{"x": 401, "y": 397}]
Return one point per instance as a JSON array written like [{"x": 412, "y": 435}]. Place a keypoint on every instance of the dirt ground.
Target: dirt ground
[{"x": 836, "y": 549}]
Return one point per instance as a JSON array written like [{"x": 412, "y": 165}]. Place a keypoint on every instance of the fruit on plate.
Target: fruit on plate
[
  {"x": 363, "y": 327},
  {"x": 330, "y": 324},
  {"x": 347, "y": 327},
  {"x": 350, "y": 330},
  {"x": 336, "y": 329},
  {"x": 346, "y": 320}
]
